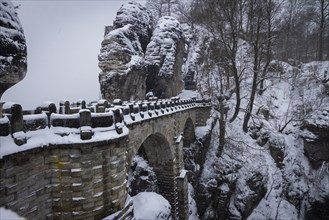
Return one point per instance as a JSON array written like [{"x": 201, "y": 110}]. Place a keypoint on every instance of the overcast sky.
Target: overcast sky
[{"x": 63, "y": 42}]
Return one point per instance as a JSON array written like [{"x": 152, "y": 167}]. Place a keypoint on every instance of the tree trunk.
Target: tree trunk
[
  {"x": 252, "y": 95},
  {"x": 268, "y": 46},
  {"x": 237, "y": 94},
  {"x": 321, "y": 30},
  {"x": 255, "y": 77},
  {"x": 222, "y": 129},
  {"x": 169, "y": 7}
]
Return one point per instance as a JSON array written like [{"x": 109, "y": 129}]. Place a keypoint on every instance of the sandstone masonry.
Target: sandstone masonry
[{"x": 86, "y": 177}]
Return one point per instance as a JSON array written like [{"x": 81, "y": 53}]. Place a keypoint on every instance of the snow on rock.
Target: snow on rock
[
  {"x": 121, "y": 55},
  {"x": 277, "y": 147},
  {"x": 136, "y": 59},
  {"x": 164, "y": 58},
  {"x": 188, "y": 94},
  {"x": 141, "y": 177},
  {"x": 195, "y": 48},
  {"x": 150, "y": 205},
  {"x": 13, "y": 61},
  {"x": 264, "y": 174},
  {"x": 7, "y": 214},
  {"x": 135, "y": 13},
  {"x": 192, "y": 208},
  {"x": 316, "y": 137}
]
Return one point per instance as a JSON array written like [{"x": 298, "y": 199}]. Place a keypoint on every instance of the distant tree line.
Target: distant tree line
[{"x": 300, "y": 27}]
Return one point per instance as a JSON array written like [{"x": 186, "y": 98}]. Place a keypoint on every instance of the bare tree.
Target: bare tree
[
  {"x": 323, "y": 14},
  {"x": 304, "y": 30},
  {"x": 272, "y": 10},
  {"x": 161, "y": 8},
  {"x": 257, "y": 20},
  {"x": 221, "y": 19}
]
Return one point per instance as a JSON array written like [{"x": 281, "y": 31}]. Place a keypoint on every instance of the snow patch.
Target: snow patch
[
  {"x": 7, "y": 214},
  {"x": 150, "y": 205}
]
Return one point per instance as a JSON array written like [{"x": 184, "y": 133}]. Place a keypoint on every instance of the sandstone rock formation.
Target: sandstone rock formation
[
  {"x": 316, "y": 143},
  {"x": 13, "y": 62},
  {"x": 136, "y": 60},
  {"x": 164, "y": 58},
  {"x": 121, "y": 59}
]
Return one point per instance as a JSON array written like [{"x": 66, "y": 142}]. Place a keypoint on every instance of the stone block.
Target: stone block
[
  {"x": 98, "y": 191},
  {"x": 86, "y": 133},
  {"x": 88, "y": 205},
  {"x": 76, "y": 172},
  {"x": 7, "y": 199},
  {"x": 86, "y": 163},
  {"x": 32, "y": 213},
  {"x": 77, "y": 187},
  {"x": 88, "y": 149},
  {"x": 16, "y": 118},
  {"x": 4, "y": 126}
]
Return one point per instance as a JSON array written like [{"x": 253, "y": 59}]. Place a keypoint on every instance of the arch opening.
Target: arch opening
[
  {"x": 189, "y": 133},
  {"x": 153, "y": 169}
]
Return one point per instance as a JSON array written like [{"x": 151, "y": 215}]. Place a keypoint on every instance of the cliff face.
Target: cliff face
[
  {"x": 164, "y": 58},
  {"x": 121, "y": 59},
  {"x": 13, "y": 62},
  {"x": 316, "y": 143},
  {"x": 136, "y": 59},
  {"x": 140, "y": 18}
]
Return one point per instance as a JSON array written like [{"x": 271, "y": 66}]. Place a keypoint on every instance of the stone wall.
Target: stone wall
[
  {"x": 80, "y": 181},
  {"x": 25, "y": 184}
]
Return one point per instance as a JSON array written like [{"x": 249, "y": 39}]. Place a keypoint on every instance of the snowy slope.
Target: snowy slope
[{"x": 264, "y": 174}]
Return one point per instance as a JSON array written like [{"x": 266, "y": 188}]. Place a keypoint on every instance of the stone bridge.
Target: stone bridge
[{"x": 73, "y": 162}]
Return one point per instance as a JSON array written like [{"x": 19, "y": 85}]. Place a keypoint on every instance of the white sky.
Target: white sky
[{"x": 63, "y": 42}]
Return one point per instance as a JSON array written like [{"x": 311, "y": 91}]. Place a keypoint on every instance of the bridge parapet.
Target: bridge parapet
[{"x": 85, "y": 120}]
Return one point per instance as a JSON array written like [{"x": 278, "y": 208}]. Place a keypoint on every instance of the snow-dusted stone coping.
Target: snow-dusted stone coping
[{"x": 76, "y": 122}]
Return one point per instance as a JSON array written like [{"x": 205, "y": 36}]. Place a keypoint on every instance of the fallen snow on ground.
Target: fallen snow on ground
[
  {"x": 150, "y": 205},
  {"x": 192, "y": 208},
  {"x": 188, "y": 94},
  {"x": 6, "y": 214},
  {"x": 298, "y": 94}
]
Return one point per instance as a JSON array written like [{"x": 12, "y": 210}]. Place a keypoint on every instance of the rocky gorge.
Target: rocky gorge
[{"x": 282, "y": 162}]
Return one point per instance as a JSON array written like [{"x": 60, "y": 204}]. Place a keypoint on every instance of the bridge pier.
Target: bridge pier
[
  {"x": 182, "y": 197},
  {"x": 168, "y": 188}
]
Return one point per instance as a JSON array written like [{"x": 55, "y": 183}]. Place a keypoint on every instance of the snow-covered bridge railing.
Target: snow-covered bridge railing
[{"x": 83, "y": 119}]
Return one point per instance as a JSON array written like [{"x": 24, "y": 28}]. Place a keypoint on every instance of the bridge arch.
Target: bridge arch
[
  {"x": 188, "y": 133},
  {"x": 157, "y": 151},
  {"x": 160, "y": 142}
]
